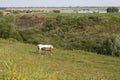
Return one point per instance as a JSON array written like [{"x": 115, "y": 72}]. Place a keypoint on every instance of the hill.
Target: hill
[
  {"x": 68, "y": 31},
  {"x": 19, "y": 61},
  {"x": 90, "y": 32}
]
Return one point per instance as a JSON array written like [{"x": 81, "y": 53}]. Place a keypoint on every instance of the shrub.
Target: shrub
[
  {"x": 111, "y": 46},
  {"x": 84, "y": 21},
  {"x": 15, "y": 12},
  {"x": 1, "y": 13},
  {"x": 49, "y": 25},
  {"x": 56, "y": 11},
  {"x": 7, "y": 28},
  {"x": 112, "y": 9}
]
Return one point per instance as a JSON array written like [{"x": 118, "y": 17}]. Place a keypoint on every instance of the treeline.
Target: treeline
[{"x": 90, "y": 33}]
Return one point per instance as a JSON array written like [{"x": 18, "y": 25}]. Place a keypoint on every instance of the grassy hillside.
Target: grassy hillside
[
  {"x": 68, "y": 31},
  {"x": 19, "y": 61},
  {"x": 28, "y": 20}
]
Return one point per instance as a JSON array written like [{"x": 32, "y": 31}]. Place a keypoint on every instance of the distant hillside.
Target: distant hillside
[
  {"x": 68, "y": 31},
  {"x": 90, "y": 32}
]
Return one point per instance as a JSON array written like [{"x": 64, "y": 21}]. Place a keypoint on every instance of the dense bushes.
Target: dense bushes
[
  {"x": 66, "y": 32},
  {"x": 111, "y": 46},
  {"x": 7, "y": 28},
  {"x": 86, "y": 33},
  {"x": 112, "y": 9}
]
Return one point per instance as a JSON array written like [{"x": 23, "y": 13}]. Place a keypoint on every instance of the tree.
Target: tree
[
  {"x": 112, "y": 9},
  {"x": 111, "y": 46},
  {"x": 56, "y": 11},
  {"x": 7, "y": 28}
]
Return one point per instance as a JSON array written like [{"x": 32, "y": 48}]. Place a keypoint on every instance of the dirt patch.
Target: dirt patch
[{"x": 28, "y": 21}]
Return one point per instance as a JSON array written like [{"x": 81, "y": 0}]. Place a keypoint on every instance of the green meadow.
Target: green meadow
[
  {"x": 86, "y": 46},
  {"x": 20, "y": 61}
]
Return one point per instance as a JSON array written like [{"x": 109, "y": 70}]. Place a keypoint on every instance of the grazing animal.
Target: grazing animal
[{"x": 41, "y": 47}]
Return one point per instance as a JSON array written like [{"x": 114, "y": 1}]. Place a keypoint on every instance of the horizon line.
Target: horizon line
[{"x": 52, "y": 6}]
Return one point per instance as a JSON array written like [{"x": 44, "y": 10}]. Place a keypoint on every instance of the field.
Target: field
[
  {"x": 53, "y": 15},
  {"x": 19, "y": 61}
]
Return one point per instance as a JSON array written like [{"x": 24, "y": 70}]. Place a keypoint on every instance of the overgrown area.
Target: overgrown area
[
  {"x": 87, "y": 32},
  {"x": 7, "y": 27}
]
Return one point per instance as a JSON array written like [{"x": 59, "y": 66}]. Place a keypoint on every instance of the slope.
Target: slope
[{"x": 19, "y": 61}]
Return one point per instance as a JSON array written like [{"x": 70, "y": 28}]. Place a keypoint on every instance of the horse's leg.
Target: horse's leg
[
  {"x": 51, "y": 51},
  {"x": 45, "y": 51},
  {"x": 37, "y": 50}
]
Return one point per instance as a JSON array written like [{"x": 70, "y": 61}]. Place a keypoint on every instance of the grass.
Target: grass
[
  {"x": 19, "y": 61},
  {"x": 78, "y": 14},
  {"x": 53, "y": 15}
]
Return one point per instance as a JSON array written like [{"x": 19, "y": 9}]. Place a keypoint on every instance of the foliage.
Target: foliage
[
  {"x": 112, "y": 9},
  {"x": 15, "y": 12},
  {"x": 71, "y": 31},
  {"x": 7, "y": 28},
  {"x": 49, "y": 25},
  {"x": 1, "y": 13},
  {"x": 56, "y": 11},
  {"x": 111, "y": 46},
  {"x": 64, "y": 31},
  {"x": 84, "y": 21}
]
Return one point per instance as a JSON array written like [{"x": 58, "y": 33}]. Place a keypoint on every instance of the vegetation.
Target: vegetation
[
  {"x": 111, "y": 46},
  {"x": 65, "y": 31},
  {"x": 72, "y": 36},
  {"x": 7, "y": 28},
  {"x": 86, "y": 32},
  {"x": 56, "y": 11},
  {"x": 19, "y": 61},
  {"x": 112, "y": 9},
  {"x": 1, "y": 13}
]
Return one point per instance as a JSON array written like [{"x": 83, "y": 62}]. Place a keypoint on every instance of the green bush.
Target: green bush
[
  {"x": 7, "y": 28},
  {"x": 112, "y": 9},
  {"x": 56, "y": 11},
  {"x": 1, "y": 13},
  {"x": 84, "y": 21},
  {"x": 111, "y": 46},
  {"x": 15, "y": 12}
]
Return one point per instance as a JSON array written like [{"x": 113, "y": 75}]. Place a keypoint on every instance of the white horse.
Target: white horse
[{"x": 44, "y": 47}]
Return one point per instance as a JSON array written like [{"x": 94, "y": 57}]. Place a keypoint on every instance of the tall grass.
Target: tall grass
[{"x": 19, "y": 61}]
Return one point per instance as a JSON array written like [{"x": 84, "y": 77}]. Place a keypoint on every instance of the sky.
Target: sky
[{"x": 57, "y": 3}]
